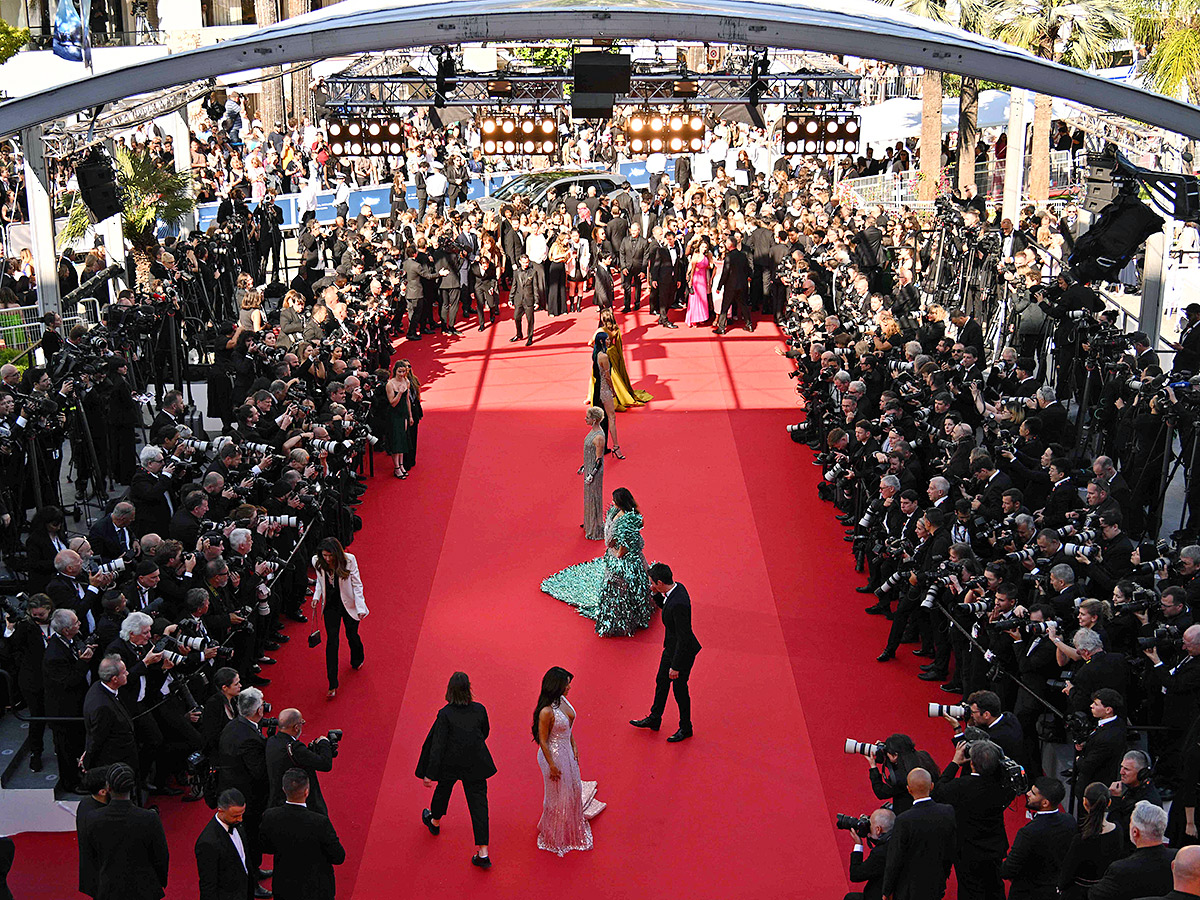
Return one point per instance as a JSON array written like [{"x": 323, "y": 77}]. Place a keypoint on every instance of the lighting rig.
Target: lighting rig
[
  {"x": 820, "y": 133},
  {"x": 517, "y": 134},
  {"x": 653, "y": 131},
  {"x": 366, "y": 137}
]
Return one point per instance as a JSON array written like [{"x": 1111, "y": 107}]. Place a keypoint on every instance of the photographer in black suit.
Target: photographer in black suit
[
  {"x": 65, "y": 670},
  {"x": 242, "y": 764},
  {"x": 1038, "y": 849},
  {"x": 108, "y": 727},
  {"x": 679, "y": 652},
  {"x": 304, "y": 843},
  {"x": 922, "y": 846},
  {"x": 871, "y": 868},
  {"x": 979, "y": 800},
  {"x": 221, "y": 852},
  {"x": 285, "y": 751}
]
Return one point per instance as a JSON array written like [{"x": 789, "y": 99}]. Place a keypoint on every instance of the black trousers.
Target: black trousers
[
  {"x": 35, "y": 700},
  {"x": 414, "y": 316},
  {"x": 633, "y": 280},
  {"x": 450, "y": 298},
  {"x": 68, "y": 747},
  {"x": 735, "y": 301},
  {"x": 477, "y": 803},
  {"x": 979, "y": 879},
  {"x": 335, "y": 614},
  {"x": 523, "y": 311},
  {"x": 679, "y": 686},
  {"x": 662, "y": 296}
]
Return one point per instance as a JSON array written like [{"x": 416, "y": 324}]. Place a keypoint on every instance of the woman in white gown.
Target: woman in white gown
[{"x": 569, "y": 801}]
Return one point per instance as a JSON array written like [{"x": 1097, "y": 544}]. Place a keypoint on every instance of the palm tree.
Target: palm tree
[
  {"x": 150, "y": 193},
  {"x": 1170, "y": 32},
  {"x": 931, "y": 102},
  {"x": 1064, "y": 31}
]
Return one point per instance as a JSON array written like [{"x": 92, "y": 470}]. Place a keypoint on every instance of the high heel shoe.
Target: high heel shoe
[
  {"x": 331, "y": 694},
  {"x": 399, "y": 469},
  {"x": 617, "y": 453}
]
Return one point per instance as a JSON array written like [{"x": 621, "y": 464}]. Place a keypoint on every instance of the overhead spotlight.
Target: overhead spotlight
[
  {"x": 511, "y": 133},
  {"x": 527, "y": 126},
  {"x": 500, "y": 88},
  {"x": 376, "y": 148},
  {"x": 656, "y": 145},
  {"x": 528, "y": 146},
  {"x": 695, "y": 144},
  {"x": 547, "y": 147},
  {"x": 510, "y": 147},
  {"x": 489, "y": 147},
  {"x": 686, "y": 88},
  {"x": 676, "y": 144},
  {"x": 508, "y": 126},
  {"x": 547, "y": 126},
  {"x": 636, "y": 124},
  {"x": 656, "y": 123},
  {"x": 335, "y": 148},
  {"x": 394, "y": 128},
  {"x": 812, "y": 126},
  {"x": 637, "y": 145},
  {"x": 355, "y": 129},
  {"x": 677, "y": 123},
  {"x": 489, "y": 125},
  {"x": 395, "y": 148},
  {"x": 851, "y": 126},
  {"x": 373, "y": 129}
]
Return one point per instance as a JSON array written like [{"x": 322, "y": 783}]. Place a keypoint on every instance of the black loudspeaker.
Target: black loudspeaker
[
  {"x": 592, "y": 106},
  {"x": 602, "y": 73},
  {"x": 1099, "y": 190},
  {"x": 98, "y": 189}
]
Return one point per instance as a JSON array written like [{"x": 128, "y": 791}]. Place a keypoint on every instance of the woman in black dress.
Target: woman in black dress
[
  {"x": 1098, "y": 843},
  {"x": 414, "y": 415},
  {"x": 396, "y": 417},
  {"x": 456, "y": 750}
]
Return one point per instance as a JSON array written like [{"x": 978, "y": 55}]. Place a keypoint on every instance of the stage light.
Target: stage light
[
  {"x": 852, "y": 126},
  {"x": 510, "y": 147},
  {"x": 811, "y": 126},
  {"x": 527, "y": 127},
  {"x": 394, "y": 129},
  {"x": 676, "y": 123},
  {"x": 489, "y": 126},
  {"x": 547, "y": 126},
  {"x": 656, "y": 123},
  {"x": 696, "y": 144},
  {"x": 508, "y": 126},
  {"x": 336, "y": 148},
  {"x": 636, "y": 124},
  {"x": 489, "y": 147},
  {"x": 499, "y": 88},
  {"x": 528, "y": 147},
  {"x": 791, "y": 126},
  {"x": 547, "y": 147},
  {"x": 355, "y": 129},
  {"x": 373, "y": 129},
  {"x": 637, "y": 145},
  {"x": 677, "y": 132},
  {"x": 656, "y": 145},
  {"x": 686, "y": 88}
]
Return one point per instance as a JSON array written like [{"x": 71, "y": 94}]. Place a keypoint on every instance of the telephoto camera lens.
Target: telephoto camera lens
[
  {"x": 978, "y": 608},
  {"x": 860, "y": 825},
  {"x": 937, "y": 710},
  {"x": 861, "y": 748}
]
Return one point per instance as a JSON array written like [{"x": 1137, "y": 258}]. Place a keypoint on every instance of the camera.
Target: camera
[
  {"x": 863, "y": 748},
  {"x": 977, "y": 608},
  {"x": 955, "y": 711},
  {"x": 860, "y": 825},
  {"x": 1164, "y": 636},
  {"x": 283, "y": 521},
  {"x": 114, "y": 567},
  {"x": 15, "y": 607}
]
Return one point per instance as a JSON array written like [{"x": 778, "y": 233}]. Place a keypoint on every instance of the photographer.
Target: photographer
[
  {"x": 871, "y": 868},
  {"x": 1035, "y": 861},
  {"x": 1099, "y": 756},
  {"x": 979, "y": 800},
  {"x": 66, "y": 667},
  {"x": 153, "y": 492},
  {"x": 285, "y": 751},
  {"x": 889, "y": 770}
]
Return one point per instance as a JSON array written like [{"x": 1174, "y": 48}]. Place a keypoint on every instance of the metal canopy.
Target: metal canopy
[{"x": 824, "y": 26}]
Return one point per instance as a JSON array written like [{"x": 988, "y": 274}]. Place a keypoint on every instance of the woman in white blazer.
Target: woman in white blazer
[{"x": 339, "y": 587}]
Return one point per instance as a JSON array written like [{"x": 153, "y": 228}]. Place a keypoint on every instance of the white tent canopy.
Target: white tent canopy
[{"x": 895, "y": 120}]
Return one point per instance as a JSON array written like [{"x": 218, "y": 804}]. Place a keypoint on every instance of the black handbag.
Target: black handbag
[{"x": 314, "y": 639}]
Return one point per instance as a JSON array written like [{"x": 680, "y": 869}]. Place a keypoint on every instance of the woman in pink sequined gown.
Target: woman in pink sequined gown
[
  {"x": 569, "y": 801},
  {"x": 700, "y": 278}
]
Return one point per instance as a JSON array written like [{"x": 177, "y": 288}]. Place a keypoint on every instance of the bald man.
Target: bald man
[
  {"x": 1185, "y": 869},
  {"x": 284, "y": 751},
  {"x": 872, "y": 868},
  {"x": 922, "y": 845}
]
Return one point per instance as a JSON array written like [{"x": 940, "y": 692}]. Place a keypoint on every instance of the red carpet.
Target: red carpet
[{"x": 452, "y": 559}]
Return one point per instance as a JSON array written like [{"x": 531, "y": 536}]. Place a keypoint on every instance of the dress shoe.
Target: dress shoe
[
  {"x": 358, "y": 665},
  {"x": 865, "y": 589},
  {"x": 528, "y": 343},
  {"x": 259, "y": 681},
  {"x": 876, "y": 610},
  {"x": 266, "y": 661},
  {"x": 35, "y": 762},
  {"x": 920, "y": 651},
  {"x": 513, "y": 340},
  {"x": 414, "y": 337},
  {"x": 670, "y": 325},
  {"x": 648, "y": 722},
  {"x": 846, "y": 519},
  {"x": 885, "y": 656},
  {"x": 427, "y": 818},
  {"x": 483, "y": 862},
  {"x": 932, "y": 675},
  {"x": 271, "y": 646},
  {"x": 952, "y": 687},
  {"x": 264, "y": 874},
  {"x": 255, "y": 668},
  {"x": 261, "y": 892},
  {"x": 680, "y": 735},
  {"x": 927, "y": 667},
  {"x": 296, "y": 616},
  {"x": 279, "y": 638}
]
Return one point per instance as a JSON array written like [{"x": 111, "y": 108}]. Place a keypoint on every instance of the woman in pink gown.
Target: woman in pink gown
[
  {"x": 569, "y": 802},
  {"x": 699, "y": 307}
]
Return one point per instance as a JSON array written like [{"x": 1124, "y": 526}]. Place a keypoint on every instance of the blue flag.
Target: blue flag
[{"x": 68, "y": 32}]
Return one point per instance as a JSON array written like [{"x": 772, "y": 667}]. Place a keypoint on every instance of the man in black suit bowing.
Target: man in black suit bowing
[
  {"x": 221, "y": 852},
  {"x": 679, "y": 652},
  {"x": 305, "y": 845},
  {"x": 922, "y": 845}
]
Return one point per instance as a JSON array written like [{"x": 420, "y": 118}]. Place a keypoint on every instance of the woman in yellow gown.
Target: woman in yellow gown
[{"x": 624, "y": 396}]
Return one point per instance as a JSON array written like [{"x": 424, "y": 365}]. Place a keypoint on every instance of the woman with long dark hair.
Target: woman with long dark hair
[
  {"x": 339, "y": 588},
  {"x": 612, "y": 589},
  {"x": 569, "y": 801},
  {"x": 889, "y": 777},
  {"x": 1098, "y": 843},
  {"x": 456, "y": 750}
]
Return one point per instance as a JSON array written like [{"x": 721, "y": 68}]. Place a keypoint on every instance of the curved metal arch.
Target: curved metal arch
[{"x": 847, "y": 26}]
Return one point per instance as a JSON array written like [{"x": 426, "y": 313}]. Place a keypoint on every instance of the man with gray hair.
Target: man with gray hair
[
  {"x": 109, "y": 727},
  {"x": 65, "y": 671},
  {"x": 69, "y": 589},
  {"x": 112, "y": 535},
  {"x": 979, "y": 801},
  {"x": 871, "y": 868},
  {"x": 153, "y": 491},
  {"x": 1146, "y": 872},
  {"x": 242, "y": 765}
]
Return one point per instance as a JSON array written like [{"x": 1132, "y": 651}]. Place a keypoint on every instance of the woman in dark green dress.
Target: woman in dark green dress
[
  {"x": 397, "y": 417},
  {"x": 613, "y": 589}
]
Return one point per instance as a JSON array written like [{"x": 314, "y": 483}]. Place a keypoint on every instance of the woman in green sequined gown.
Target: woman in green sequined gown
[{"x": 613, "y": 589}]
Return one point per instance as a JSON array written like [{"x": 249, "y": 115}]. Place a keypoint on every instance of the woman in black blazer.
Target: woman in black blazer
[
  {"x": 47, "y": 536},
  {"x": 455, "y": 750}
]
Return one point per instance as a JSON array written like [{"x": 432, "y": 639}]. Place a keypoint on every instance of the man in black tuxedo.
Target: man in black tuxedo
[
  {"x": 65, "y": 672},
  {"x": 1003, "y": 728},
  {"x": 970, "y": 332},
  {"x": 1146, "y": 872},
  {"x": 170, "y": 412},
  {"x": 679, "y": 653},
  {"x": 979, "y": 801},
  {"x": 242, "y": 765},
  {"x": 110, "y": 738},
  {"x": 285, "y": 751},
  {"x": 113, "y": 535},
  {"x": 95, "y": 783},
  {"x": 124, "y": 845},
  {"x": 305, "y": 845},
  {"x": 734, "y": 281},
  {"x": 27, "y": 643},
  {"x": 661, "y": 270},
  {"x": 922, "y": 845},
  {"x": 1038, "y": 849},
  {"x": 221, "y": 852},
  {"x": 871, "y": 868},
  {"x": 528, "y": 290},
  {"x": 1100, "y": 756}
]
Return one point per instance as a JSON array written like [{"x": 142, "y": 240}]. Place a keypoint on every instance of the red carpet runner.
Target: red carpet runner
[{"x": 452, "y": 559}]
